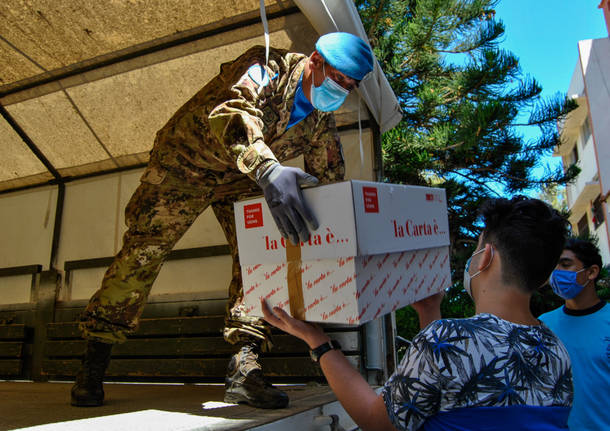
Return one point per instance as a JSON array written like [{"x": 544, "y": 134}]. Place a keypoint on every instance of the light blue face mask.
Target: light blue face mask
[
  {"x": 564, "y": 283},
  {"x": 329, "y": 96}
]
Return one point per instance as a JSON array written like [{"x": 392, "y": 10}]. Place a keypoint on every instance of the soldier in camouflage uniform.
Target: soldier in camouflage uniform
[{"x": 225, "y": 144}]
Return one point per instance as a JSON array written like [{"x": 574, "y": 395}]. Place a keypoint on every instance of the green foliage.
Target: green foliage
[
  {"x": 465, "y": 104},
  {"x": 555, "y": 196},
  {"x": 603, "y": 283}
]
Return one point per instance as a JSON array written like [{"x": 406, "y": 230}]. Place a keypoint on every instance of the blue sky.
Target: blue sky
[{"x": 544, "y": 34}]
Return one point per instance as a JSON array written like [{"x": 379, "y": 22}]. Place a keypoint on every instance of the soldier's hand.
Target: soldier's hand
[{"x": 292, "y": 215}]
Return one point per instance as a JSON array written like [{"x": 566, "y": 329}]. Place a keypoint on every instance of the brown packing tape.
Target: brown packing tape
[{"x": 295, "y": 281}]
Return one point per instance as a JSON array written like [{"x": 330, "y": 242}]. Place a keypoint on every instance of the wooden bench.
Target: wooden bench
[
  {"x": 12, "y": 348},
  {"x": 186, "y": 349}
]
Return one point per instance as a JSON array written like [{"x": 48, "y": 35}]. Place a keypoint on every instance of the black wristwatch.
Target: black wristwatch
[{"x": 317, "y": 353}]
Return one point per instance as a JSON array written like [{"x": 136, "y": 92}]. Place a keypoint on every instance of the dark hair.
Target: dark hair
[
  {"x": 585, "y": 251},
  {"x": 529, "y": 235}
]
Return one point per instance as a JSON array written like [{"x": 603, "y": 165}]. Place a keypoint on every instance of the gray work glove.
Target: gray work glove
[{"x": 292, "y": 216}]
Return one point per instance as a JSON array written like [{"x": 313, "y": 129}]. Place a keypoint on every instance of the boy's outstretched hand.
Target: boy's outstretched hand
[{"x": 310, "y": 333}]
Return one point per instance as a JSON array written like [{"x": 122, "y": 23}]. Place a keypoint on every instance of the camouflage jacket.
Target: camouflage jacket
[{"x": 230, "y": 128}]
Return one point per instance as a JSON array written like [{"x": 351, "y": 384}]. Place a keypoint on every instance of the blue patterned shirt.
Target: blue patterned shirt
[{"x": 480, "y": 363}]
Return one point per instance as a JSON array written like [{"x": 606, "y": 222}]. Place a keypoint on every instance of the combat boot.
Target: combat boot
[
  {"x": 245, "y": 382},
  {"x": 88, "y": 390}
]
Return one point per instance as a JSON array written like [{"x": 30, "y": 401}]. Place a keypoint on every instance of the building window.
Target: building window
[
  {"x": 585, "y": 131},
  {"x": 583, "y": 226},
  {"x": 598, "y": 212}
]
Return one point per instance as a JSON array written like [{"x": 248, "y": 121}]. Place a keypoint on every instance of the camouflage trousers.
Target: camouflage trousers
[{"x": 157, "y": 216}]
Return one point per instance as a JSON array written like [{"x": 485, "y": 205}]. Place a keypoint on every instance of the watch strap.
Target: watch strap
[{"x": 317, "y": 353}]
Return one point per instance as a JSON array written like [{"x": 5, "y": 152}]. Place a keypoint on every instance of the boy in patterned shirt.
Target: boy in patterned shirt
[{"x": 499, "y": 370}]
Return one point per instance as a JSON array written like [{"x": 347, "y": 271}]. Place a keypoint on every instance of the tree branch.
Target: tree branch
[
  {"x": 375, "y": 19},
  {"x": 476, "y": 182}
]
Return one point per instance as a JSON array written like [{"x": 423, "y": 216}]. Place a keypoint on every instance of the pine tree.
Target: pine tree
[
  {"x": 555, "y": 196},
  {"x": 465, "y": 104}
]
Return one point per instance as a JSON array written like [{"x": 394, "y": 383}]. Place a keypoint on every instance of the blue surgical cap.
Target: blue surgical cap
[{"x": 347, "y": 53}]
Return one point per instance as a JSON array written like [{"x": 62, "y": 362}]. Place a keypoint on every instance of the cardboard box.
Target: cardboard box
[{"x": 379, "y": 247}]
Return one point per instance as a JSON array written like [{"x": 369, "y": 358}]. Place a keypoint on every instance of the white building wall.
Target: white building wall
[
  {"x": 595, "y": 56},
  {"x": 588, "y": 164},
  {"x": 604, "y": 246},
  {"x": 590, "y": 85},
  {"x": 595, "y": 60},
  {"x": 577, "y": 83}
]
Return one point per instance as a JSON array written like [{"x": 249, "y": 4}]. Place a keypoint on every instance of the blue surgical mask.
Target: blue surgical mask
[
  {"x": 467, "y": 276},
  {"x": 329, "y": 96},
  {"x": 564, "y": 283}
]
